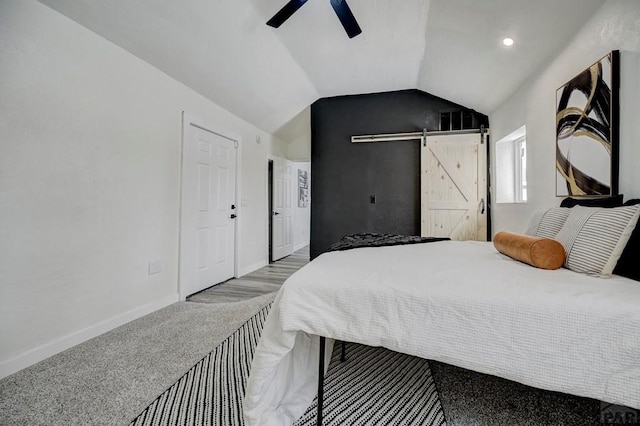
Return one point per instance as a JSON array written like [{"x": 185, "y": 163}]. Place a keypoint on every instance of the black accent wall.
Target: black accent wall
[{"x": 347, "y": 176}]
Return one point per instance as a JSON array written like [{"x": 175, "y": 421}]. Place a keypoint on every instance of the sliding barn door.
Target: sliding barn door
[{"x": 454, "y": 187}]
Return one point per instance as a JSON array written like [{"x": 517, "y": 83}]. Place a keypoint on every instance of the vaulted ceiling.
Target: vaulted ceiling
[{"x": 223, "y": 49}]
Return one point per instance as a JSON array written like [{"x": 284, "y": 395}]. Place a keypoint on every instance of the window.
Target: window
[
  {"x": 511, "y": 168},
  {"x": 458, "y": 120}
]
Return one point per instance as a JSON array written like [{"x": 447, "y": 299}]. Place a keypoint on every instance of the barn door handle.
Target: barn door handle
[{"x": 482, "y": 206}]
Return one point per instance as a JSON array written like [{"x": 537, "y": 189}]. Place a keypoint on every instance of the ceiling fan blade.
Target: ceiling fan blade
[
  {"x": 285, "y": 13},
  {"x": 347, "y": 19}
]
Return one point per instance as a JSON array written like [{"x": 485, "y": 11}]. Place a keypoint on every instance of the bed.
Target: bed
[{"x": 461, "y": 303}]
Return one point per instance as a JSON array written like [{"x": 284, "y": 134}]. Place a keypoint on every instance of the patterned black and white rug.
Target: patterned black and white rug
[{"x": 373, "y": 386}]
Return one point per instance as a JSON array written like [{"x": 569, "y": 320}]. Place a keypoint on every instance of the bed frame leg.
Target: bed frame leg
[{"x": 320, "y": 381}]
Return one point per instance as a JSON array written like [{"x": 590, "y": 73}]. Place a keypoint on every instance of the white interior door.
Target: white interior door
[
  {"x": 454, "y": 187},
  {"x": 207, "y": 246},
  {"x": 282, "y": 214}
]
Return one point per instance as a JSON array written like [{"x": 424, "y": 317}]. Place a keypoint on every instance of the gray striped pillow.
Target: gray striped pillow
[
  {"x": 547, "y": 223},
  {"x": 594, "y": 238}
]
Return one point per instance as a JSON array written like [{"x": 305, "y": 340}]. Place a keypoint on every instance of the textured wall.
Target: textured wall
[{"x": 346, "y": 175}]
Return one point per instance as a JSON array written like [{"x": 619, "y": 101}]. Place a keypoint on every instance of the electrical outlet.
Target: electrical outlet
[{"x": 155, "y": 266}]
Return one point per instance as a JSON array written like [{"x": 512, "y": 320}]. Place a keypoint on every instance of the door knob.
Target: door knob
[{"x": 275, "y": 213}]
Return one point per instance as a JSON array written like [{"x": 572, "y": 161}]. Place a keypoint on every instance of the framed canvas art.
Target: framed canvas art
[
  {"x": 587, "y": 128},
  {"x": 303, "y": 188}
]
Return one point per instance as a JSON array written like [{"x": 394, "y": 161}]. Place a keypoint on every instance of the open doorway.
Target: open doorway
[
  {"x": 282, "y": 207},
  {"x": 270, "y": 209},
  {"x": 289, "y": 220}
]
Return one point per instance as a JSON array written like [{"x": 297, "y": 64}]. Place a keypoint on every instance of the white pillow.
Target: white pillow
[
  {"x": 546, "y": 223},
  {"x": 594, "y": 238}
]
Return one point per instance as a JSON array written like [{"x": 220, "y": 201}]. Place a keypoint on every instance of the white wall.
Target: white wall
[
  {"x": 89, "y": 183},
  {"x": 301, "y": 215},
  {"x": 297, "y": 133},
  {"x": 614, "y": 26},
  {"x": 300, "y": 148}
]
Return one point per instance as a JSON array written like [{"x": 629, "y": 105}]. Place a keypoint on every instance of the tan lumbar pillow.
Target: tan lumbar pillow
[{"x": 543, "y": 253}]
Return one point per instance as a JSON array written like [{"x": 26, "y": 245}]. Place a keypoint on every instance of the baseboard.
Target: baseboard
[
  {"x": 301, "y": 245},
  {"x": 249, "y": 269},
  {"x": 40, "y": 353}
]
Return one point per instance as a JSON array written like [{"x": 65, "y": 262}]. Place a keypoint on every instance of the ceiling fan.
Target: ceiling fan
[{"x": 341, "y": 8}]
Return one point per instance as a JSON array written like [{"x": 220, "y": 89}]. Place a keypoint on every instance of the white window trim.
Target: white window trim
[
  {"x": 520, "y": 184},
  {"x": 511, "y": 168}
]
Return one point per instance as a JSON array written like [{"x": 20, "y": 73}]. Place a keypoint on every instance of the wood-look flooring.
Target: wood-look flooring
[{"x": 264, "y": 280}]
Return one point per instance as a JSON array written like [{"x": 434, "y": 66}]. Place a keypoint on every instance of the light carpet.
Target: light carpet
[
  {"x": 110, "y": 379},
  {"x": 374, "y": 386}
]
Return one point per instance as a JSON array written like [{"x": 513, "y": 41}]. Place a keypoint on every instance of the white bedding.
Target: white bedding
[{"x": 462, "y": 303}]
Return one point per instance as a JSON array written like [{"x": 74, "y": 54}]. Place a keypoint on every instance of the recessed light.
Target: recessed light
[{"x": 507, "y": 41}]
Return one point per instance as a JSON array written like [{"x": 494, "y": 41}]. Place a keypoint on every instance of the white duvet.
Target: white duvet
[{"x": 462, "y": 303}]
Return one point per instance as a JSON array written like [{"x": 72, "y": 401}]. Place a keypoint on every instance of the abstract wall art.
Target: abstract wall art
[{"x": 587, "y": 128}]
